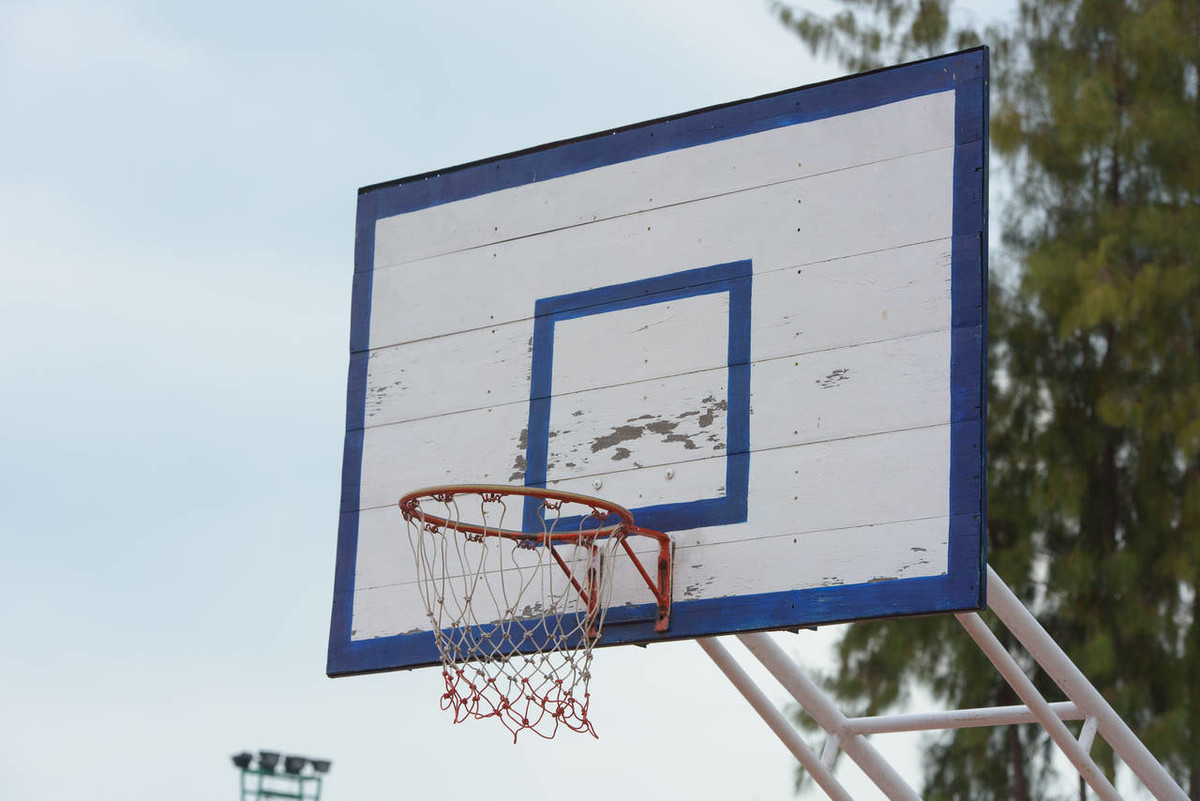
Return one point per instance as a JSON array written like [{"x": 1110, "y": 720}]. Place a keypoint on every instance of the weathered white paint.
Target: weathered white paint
[
  {"x": 642, "y": 343},
  {"x": 429, "y": 377},
  {"x": 812, "y": 559},
  {"x": 681, "y": 176},
  {"x": 846, "y": 222},
  {"x": 839, "y": 484},
  {"x": 829, "y": 395},
  {"x": 681, "y": 419},
  {"x": 479, "y": 446},
  {"x": 797, "y": 310},
  {"x": 874, "y": 207},
  {"x": 805, "y": 496}
]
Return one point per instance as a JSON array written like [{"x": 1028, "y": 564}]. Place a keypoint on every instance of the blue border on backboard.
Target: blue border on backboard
[
  {"x": 733, "y": 278},
  {"x": 961, "y": 588}
]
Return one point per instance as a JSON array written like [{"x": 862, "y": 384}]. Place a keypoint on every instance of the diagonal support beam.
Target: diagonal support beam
[
  {"x": 1067, "y": 675},
  {"x": 847, "y": 734},
  {"x": 828, "y": 716},
  {"x": 1058, "y": 731},
  {"x": 821, "y": 773}
]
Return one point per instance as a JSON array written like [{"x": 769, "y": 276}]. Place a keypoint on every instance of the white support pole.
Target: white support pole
[
  {"x": 1058, "y": 731},
  {"x": 1059, "y": 667},
  {"x": 829, "y": 755},
  {"x": 1088, "y": 734},
  {"x": 827, "y": 715},
  {"x": 958, "y": 719},
  {"x": 848, "y": 734},
  {"x": 779, "y": 724}
]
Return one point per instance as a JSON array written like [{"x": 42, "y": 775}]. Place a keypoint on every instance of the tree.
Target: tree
[{"x": 1094, "y": 402}]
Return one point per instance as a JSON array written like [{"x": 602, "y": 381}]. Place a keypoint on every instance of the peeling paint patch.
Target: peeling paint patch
[
  {"x": 668, "y": 430},
  {"x": 834, "y": 378},
  {"x": 694, "y": 590},
  {"x": 583, "y": 442},
  {"x": 710, "y": 413},
  {"x": 518, "y": 468},
  {"x": 661, "y": 427},
  {"x": 518, "y": 473},
  {"x": 687, "y": 441},
  {"x": 532, "y": 610},
  {"x": 619, "y": 434}
]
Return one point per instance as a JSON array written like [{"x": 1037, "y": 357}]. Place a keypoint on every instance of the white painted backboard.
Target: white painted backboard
[{"x": 761, "y": 327}]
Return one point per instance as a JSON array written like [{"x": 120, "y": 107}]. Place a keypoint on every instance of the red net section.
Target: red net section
[{"x": 515, "y": 614}]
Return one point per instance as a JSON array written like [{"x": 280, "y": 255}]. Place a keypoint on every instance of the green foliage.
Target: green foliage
[
  {"x": 1094, "y": 418},
  {"x": 871, "y": 33}
]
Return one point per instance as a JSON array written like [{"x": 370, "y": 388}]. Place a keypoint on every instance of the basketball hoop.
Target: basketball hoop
[{"x": 515, "y": 614}]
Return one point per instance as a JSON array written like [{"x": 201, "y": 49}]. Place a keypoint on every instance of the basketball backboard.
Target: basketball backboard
[{"x": 759, "y": 326}]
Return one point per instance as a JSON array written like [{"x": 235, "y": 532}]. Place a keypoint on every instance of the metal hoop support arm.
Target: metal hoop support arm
[{"x": 661, "y": 588}]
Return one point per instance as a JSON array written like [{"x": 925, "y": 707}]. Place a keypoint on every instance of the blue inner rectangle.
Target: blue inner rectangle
[
  {"x": 733, "y": 278},
  {"x": 962, "y": 587}
]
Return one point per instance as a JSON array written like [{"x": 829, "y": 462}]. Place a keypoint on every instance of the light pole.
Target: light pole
[{"x": 260, "y": 780}]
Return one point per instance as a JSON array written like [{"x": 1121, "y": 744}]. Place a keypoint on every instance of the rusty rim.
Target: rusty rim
[{"x": 601, "y": 510}]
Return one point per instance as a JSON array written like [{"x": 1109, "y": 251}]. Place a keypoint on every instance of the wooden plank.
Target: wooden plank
[
  {"x": 884, "y": 294},
  {"x": 648, "y": 423},
  {"x": 642, "y": 343},
  {"x": 896, "y": 384},
  {"x": 472, "y": 370},
  {"x": 832, "y": 304},
  {"x": 885, "y": 132},
  {"x": 866, "y": 209},
  {"x": 903, "y": 549},
  {"x": 822, "y": 396},
  {"x": 844, "y": 484},
  {"x": 481, "y": 446}
]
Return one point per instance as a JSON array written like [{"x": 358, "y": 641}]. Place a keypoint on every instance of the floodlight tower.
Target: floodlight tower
[{"x": 300, "y": 780}]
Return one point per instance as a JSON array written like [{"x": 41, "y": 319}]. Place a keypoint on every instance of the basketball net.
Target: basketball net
[{"x": 514, "y": 614}]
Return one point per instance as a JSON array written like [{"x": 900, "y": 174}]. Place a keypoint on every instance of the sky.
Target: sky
[{"x": 177, "y": 198}]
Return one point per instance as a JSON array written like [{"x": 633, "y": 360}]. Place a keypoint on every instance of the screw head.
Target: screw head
[
  {"x": 670, "y": 473},
  {"x": 597, "y": 483}
]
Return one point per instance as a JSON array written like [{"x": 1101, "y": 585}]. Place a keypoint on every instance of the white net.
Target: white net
[{"x": 514, "y": 616}]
